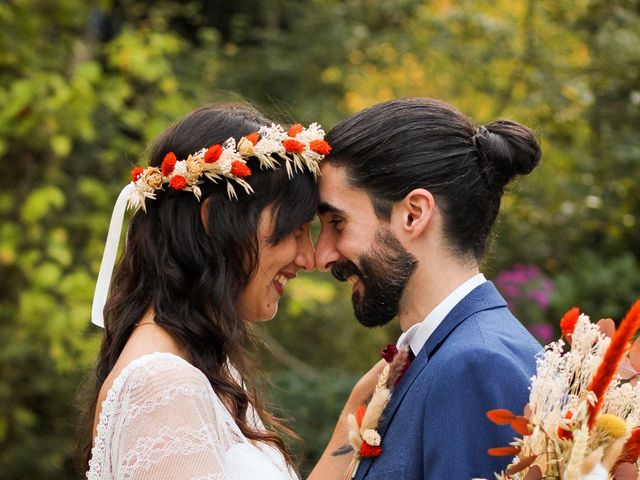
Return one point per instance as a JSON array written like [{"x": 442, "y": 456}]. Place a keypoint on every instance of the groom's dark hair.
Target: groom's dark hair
[{"x": 394, "y": 147}]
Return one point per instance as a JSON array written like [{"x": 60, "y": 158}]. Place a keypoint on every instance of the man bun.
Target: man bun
[
  {"x": 506, "y": 149},
  {"x": 394, "y": 147}
]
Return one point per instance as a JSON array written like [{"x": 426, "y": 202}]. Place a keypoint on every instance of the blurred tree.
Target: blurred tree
[
  {"x": 84, "y": 86},
  {"x": 75, "y": 112}
]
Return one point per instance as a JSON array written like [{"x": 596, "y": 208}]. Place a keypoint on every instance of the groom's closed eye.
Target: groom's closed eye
[
  {"x": 336, "y": 223},
  {"x": 331, "y": 215}
]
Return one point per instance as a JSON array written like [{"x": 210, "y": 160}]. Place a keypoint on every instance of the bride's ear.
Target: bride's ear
[
  {"x": 204, "y": 215},
  {"x": 415, "y": 212}
]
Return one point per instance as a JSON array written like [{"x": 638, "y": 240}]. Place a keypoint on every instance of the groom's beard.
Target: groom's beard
[{"x": 384, "y": 273}]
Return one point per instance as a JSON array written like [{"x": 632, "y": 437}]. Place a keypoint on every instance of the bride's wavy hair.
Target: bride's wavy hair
[{"x": 190, "y": 262}]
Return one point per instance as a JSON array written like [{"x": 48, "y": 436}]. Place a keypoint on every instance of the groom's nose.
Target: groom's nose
[{"x": 326, "y": 253}]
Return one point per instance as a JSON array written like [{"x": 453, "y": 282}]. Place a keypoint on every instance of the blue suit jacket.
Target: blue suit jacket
[{"x": 435, "y": 426}]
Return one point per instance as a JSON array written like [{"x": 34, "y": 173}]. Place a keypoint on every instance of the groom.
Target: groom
[{"x": 408, "y": 197}]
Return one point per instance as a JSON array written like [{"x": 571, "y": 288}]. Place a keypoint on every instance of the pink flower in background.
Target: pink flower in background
[
  {"x": 542, "y": 331},
  {"x": 528, "y": 293}
]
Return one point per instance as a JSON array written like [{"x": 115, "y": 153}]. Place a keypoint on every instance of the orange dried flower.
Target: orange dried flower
[
  {"x": 294, "y": 130},
  {"x": 213, "y": 153},
  {"x": 253, "y": 137},
  {"x": 503, "y": 451},
  {"x": 135, "y": 173},
  {"x": 240, "y": 169},
  {"x": 293, "y": 146},
  {"x": 501, "y": 416},
  {"x": 178, "y": 182},
  {"x": 521, "y": 426},
  {"x": 320, "y": 146},
  {"x": 367, "y": 450},
  {"x": 360, "y": 411},
  {"x": 168, "y": 163},
  {"x": 631, "y": 449},
  {"x": 619, "y": 345},
  {"x": 568, "y": 322}
]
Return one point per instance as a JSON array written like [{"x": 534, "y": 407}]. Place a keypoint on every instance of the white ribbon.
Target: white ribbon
[{"x": 109, "y": 256}]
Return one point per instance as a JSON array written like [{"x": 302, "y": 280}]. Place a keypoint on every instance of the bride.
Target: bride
[{"x": 221, "y": 225}]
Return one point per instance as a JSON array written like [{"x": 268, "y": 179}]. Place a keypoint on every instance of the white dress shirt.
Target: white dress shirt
[{"x": 416, "y": 336}]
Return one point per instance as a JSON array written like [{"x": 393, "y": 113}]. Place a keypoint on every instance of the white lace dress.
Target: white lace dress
[{"x": 162, "y": 420}]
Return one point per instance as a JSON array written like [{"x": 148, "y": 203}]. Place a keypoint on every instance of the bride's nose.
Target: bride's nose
[{"x": 305, "y": 257}]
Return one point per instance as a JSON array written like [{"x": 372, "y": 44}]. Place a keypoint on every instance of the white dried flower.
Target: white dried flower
[
  {"x": 371, "y": 437},
  {"x": 180, "y": 168}
]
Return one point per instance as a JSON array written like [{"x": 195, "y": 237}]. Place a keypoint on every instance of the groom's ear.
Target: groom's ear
[{"x": 415, "y": 211}]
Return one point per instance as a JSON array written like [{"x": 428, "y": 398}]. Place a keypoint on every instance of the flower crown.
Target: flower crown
[{"x": 298, "y": 148}]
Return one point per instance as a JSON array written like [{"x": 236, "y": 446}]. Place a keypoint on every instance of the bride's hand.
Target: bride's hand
[
  {"x": 364, "y": 387},
  {"x": 331, "y": 467}
]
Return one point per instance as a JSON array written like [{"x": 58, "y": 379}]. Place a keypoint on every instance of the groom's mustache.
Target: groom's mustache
[{"x": 343, "y": 270}]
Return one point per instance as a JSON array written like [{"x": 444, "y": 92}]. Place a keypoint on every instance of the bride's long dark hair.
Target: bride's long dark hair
[{"x": 189, "y": 262}]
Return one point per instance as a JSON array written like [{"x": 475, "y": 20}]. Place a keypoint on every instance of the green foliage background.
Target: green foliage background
[{"x": 84, "y": 86}]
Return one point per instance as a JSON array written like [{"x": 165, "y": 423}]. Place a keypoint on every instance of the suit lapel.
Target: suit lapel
[{"x": 483, "y": 297}]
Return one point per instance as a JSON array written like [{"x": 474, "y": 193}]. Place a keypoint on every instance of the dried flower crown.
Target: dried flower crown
[{"x": 297, "y": 148}]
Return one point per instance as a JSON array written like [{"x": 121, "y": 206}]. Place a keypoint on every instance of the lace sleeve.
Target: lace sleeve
[{"x": 163, "y": 424}]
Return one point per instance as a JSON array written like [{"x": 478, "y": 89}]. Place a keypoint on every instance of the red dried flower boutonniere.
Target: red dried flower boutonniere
[{"x": 363, "y": 437}]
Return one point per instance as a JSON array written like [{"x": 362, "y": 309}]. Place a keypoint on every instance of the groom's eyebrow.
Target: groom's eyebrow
[{"x": 325, "y": 207}]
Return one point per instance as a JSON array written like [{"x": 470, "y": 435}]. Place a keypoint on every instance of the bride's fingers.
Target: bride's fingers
[{"x": 367, "y": 383}]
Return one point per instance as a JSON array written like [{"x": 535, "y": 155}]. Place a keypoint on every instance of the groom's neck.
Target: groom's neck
[{"x": 434, "y": 279}]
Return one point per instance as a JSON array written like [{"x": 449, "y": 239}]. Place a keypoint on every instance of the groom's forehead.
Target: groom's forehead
[
  {"x": 334, "y": 185},
  {"x": 332, "y": 176},
  {"x": 338, "y": 196}
]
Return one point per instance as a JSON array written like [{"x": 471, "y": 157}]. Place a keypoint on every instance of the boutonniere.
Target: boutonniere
[{"x": 363, "y": 437}]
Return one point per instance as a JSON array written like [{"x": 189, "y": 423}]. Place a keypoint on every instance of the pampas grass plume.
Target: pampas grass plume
[
  {"x": 609, "y": 365},
  {"x": 375, "y": 408}
]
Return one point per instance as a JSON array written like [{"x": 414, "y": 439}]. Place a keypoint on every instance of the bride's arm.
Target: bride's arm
[{"x": 332, "y": 467}]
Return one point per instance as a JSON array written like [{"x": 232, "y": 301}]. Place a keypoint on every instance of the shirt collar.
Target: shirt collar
[{"x": 416, "y": 336}]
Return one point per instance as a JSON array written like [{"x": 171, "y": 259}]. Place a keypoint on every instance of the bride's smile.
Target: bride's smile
[
  {"x": 281, "y": 281},
  {"x": 278, "y": 264}
]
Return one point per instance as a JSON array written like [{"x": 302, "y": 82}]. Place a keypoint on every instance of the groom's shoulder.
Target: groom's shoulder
[
  {"x": 496, "y": 329},
  {"x": 486, "y": 340}
]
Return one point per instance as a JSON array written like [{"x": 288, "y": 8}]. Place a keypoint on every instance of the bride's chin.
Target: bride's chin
[{"x": 268, "y": 316}]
